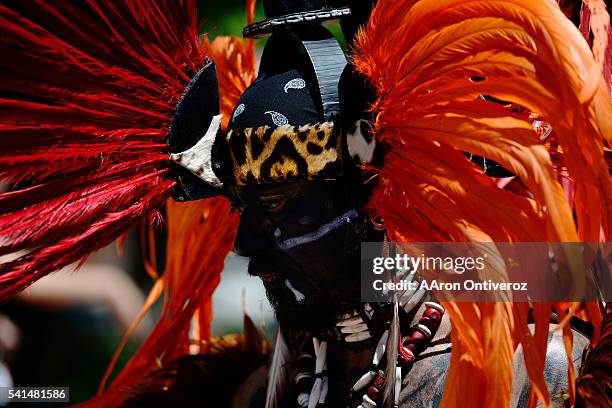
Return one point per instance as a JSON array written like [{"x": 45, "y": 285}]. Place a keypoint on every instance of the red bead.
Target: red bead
[
  {"x": 432, "y": 325},
  {"x": 432, "y": 314},
  {"x": 406, "y": 355},
  {"x": 378, "y": 381},
  {"x": 411, "y": 346},
  {"x": 417, "y": 335},
  {"x": 411, "y": 341},
  {"x": 426, "y": 320},
  {"x": 373, "y": 392}
]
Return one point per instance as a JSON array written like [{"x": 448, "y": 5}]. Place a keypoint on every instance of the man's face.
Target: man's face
[{"x": 303, "y": 241}]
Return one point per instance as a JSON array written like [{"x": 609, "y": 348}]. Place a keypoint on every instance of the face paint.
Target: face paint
[
  {"x": 324, "y": 230},
  {"x": 299, "y": 296},
  {"x": 303, "y": 241}
]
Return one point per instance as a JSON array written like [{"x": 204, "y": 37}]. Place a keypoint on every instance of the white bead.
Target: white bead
[
  {"x": 353, "y": 338},
  {"x": 423, "y": 329},
  {"x": 315, "y": 393},
  {"x": 350, "y": 321},
  {"x": 321, "y": 352},
  {"x": 358, "y": 328},
  {"x": 367, "y": 400},
  {"x": 349, "y": 315},
  {"x": 434, "y": 305},
  {"x": 364, "y": 380},
  {"x": 306, "y": 355},
  {"x": 369, "y": 310},
  {"x": 407, "y": 295},
  {"x": 324, "y": 390},
  {"x": 414, "y": 300},
  {"x": 300, "y": 376},
  {"x": 398, "y": 384},
  {"x": 380, "y": 348},
  {"x": 303, "y": 399}
]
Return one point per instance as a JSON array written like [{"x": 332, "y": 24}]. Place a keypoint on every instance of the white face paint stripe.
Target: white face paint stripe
[
  {"x": 324, "y": 230},
  {"x": 299, "y": 296}
]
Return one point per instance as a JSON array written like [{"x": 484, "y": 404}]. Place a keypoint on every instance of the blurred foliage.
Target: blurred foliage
[{"x": 228, "y": 17}]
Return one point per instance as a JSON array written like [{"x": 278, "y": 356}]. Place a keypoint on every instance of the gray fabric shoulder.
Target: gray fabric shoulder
[
  {"x": 555, "y": 368},
  {"x": 423, "y": 386}
]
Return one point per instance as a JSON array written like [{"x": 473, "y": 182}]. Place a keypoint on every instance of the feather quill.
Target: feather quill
[
  {"x": 392, "y": 347},
  {"x": 278, "y": 372}
]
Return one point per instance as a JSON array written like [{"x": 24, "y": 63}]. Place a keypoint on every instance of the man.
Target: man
[
  {"x": 303, "y": 240},
  {"x": 290, "y": 172},
  {"x": 320, "y": 155}
]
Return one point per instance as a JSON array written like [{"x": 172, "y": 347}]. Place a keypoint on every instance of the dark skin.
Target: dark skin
[{"x": 323, "y": 267}]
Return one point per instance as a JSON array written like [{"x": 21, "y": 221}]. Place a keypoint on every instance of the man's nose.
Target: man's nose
[{"x": 253, "y": 235}]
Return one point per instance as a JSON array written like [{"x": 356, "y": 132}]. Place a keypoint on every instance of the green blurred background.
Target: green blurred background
[{"x": 227, "y": 17}]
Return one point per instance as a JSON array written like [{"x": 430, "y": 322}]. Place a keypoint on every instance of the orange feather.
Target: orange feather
[
  {"x": 430, "y": 62},
  {"x": 235, "y": 61}
]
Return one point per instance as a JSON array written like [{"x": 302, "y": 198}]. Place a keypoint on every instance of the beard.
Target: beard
[
  {"x": 312, "y": 314},
  {"x": 300, "y": 301}
]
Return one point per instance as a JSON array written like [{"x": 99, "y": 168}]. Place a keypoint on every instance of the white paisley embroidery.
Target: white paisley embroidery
[
  {"x": 238, "y": 111},
  {"x": 297, "y": 83},
  {"x": 278, "y": 118}
]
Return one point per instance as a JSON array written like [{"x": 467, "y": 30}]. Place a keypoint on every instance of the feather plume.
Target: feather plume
[
  {"x": 199, "y": 237},
  {"x": 88, "y": 95},
  {"x": 203, "y": 380},
  {"x": 235, "y": 61},
  {"x": 430, "y": 63},
  {"x": 599, "y": 24},
  {"x": 187, "y": 285}
]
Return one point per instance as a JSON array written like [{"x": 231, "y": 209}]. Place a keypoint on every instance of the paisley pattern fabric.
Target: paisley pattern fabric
[
  {"x": 297, "y": 83},
  {"x": 285, "y": 153}
]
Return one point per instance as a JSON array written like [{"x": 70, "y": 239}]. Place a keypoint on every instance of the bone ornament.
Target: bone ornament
[
  {"x": 360, "y": 143},
  {"x": 198, "y": 158}
]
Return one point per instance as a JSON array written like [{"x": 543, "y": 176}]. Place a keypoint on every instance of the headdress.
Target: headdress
[{"x": 115, "y": 109}]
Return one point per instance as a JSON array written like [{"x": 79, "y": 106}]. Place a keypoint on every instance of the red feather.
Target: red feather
[
  {"x": 88, "y": 95},
  {"x": 200, "y": 234}
]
